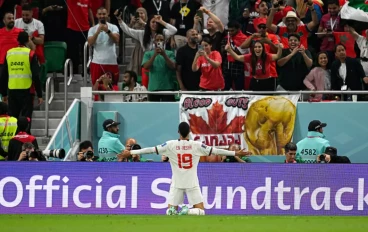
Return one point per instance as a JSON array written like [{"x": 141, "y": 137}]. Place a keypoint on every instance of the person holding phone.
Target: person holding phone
[
  {"x": 104, "y": 37},
  {"x": 209, "y": 63},
  {"x": 105, "y": 83},
  {"x": 137, "y": 22}
]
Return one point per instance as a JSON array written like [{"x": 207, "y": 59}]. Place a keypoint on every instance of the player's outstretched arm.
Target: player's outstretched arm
[
  {"x": 148, "y": 150},
  {"x": 240, "y": 153}
]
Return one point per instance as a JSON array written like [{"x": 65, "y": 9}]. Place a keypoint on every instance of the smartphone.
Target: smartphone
[
  {"x": 103, "y": 21},
  {"x": 159, "y": 45},
  {"x": 200, "y": 47},
  {"x": 199, "y": 13},
  {"x": 136, "y": 15}
]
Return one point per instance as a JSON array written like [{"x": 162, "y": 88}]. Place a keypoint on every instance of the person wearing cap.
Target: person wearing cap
[
  {"x": 330, "y": 156},
  {"x": 22, "y": 137},
  {"x": 314, "y": 144},
  {"x": 292, "y": 21},
  {"x": 110, "y": 147},
  {"x": 8, "y": 128},
  {"x": 21, "y": 70}
]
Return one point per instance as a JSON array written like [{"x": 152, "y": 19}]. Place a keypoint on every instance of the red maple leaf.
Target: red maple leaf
[{"x": 217, "y": 119}]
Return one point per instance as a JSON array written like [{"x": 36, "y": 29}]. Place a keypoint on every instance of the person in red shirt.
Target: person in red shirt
[
  {"x": 270, "y": 42},
  {"x": 282, "y": 12},
  {"x": 292, "y": 21},
  {"x": 8, "y": 36},
  {"x": 259, "y": 63},
  {"x": 209, "y": 63},
  {"x": 79, "y": 18}
]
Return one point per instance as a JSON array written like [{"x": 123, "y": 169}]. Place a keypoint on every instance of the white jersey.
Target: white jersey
[{"x": 184, "y": 157}]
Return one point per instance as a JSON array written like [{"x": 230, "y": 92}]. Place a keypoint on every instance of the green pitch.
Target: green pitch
[{"x": 112, "y": 223}]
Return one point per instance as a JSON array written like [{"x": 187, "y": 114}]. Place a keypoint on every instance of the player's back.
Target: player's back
[{"x": 184, "y": 156}]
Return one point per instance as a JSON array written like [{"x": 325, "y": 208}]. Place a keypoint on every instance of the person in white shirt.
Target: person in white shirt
[
  {"x": 104, "y": 37},
  {"x": 362, "y": 43},
  {"x": 184, "y": 156},
  {"x": 130, "y": 82},
  {"x": 33, "y": 27}
]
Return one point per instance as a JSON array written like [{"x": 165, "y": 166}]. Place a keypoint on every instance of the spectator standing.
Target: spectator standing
[
  {"x": 104, "y": 37},
  {"x": 20, "y": 71},
  {"x": 187, "y": 79},
  {"x": 96, "y": 4},
  {"x": 8, "y": 37},
  {"x": 130, "y": 82},
  {"x": 182, "y": 17},
  {"x": 362, "y": 42},
  {"x": 209, "y": 63},
  {"x": 161, "y": 66},
  {"x": 79, "y": 18},
  {"x": 8, "y": 128},
  {"x": 233, "y": 70},
  {"x": 294, "y": 65},
  {"x": 35, "y": 30},
  {"x": 54, "y": 18},
  {"x": 258, "y": 62},
  {"x": 283, "y": 9},
  {"x": 329, "y": 23},
  {"x": 319, "y": 78},
  {"x": 347, "y": 73},
  {"x": 270, "y": 42},
  {"x": 261, "y": 7},
  {"x": 110, "y": 147},
  {"x": 292, "y": 25},
  {"x": 137, "y": 54},
  {"x": 314, "y": 144},
  {"x": 22, "y": 137},
  {"x": 157, "y": 7},
  {"x": 146, "y": 37},
  {"x": 214, "y": 27}
]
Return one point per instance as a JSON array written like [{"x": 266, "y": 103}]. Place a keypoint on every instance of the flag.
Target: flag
[
  {"x": 347, "y": 40},
  {"x": 355, "y": 14}
]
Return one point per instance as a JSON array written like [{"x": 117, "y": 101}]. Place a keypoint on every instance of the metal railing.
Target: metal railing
[
  {"x": 60, "y": 131},
  {"x": 50, "y": 87},
  {"x": 87, "y": 58},
  {"x": 123, "y": 42},
  {"x": 302, "y": 93},
  {"x": 67, "y": 80}
]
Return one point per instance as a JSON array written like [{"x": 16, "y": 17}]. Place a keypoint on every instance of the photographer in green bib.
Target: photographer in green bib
[{"x": 21, "y": 70}]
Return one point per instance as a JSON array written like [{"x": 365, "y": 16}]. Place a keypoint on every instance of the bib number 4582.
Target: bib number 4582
[{"x": 185, "y": 161}]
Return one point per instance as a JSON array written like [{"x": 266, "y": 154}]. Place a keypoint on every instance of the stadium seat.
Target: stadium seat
[{"x": 55, "y": 55}]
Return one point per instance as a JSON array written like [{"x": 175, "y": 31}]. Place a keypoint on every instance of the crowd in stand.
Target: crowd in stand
[{"x": 260, "y": 45}]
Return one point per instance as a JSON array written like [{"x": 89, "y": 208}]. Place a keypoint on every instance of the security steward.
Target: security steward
[
  {"x": 8, "y": 129},
  {"x": 21, "y": 69}
]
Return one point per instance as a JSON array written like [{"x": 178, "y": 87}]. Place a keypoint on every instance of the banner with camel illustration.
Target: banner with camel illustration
[{"x": 260, "y": 124}]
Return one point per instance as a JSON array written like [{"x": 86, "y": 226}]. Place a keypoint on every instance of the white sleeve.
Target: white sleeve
[
  {"x": 202, "y": 149},
  {"x": 40, "y": 28},
  {"x": 360, "y": 41},
  {"x": 148, "y": 150},
  {"x": 169, "y": 31},
  {"x": 135, "y": 34},
  {"x": 223, "y": 152}
]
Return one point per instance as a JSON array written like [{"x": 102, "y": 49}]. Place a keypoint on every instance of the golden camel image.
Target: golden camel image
[{"x": 269, "y": 125}]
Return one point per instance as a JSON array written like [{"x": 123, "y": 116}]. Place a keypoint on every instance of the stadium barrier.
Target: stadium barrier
[{"x": 142, "y": 188}]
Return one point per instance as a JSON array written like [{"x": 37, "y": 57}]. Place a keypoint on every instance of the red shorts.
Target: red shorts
[{"x": 97, "y": 70}]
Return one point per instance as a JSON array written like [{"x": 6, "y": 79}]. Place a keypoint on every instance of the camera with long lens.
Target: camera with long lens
[
  {"x": 57, "y": 153},
  {"x": 136, "y": 147}
]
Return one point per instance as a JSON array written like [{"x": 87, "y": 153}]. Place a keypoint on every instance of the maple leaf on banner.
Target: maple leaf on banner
[{"x": 217, "y": 119}]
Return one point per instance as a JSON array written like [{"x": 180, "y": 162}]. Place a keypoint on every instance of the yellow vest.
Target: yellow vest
[
  {"x": 19, "y": 68},
  {"x": 8, "y": 128}
]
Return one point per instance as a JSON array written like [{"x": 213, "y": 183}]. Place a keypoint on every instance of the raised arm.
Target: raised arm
[
  {"x": 269, "y": 23},
  {"x": 312, "y": 24},
  {"x": 216, "y": 20},
  {"x": 278, "y": 54},
  {"x": 135, "y": 34},
  {"x": 233, "y": 54}
]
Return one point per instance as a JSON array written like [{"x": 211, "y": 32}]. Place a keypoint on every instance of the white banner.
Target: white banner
[{"x": 260, "y": 124}]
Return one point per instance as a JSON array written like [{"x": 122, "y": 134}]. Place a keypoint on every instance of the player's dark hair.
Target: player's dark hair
[{"x": 184, "y": 129}]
